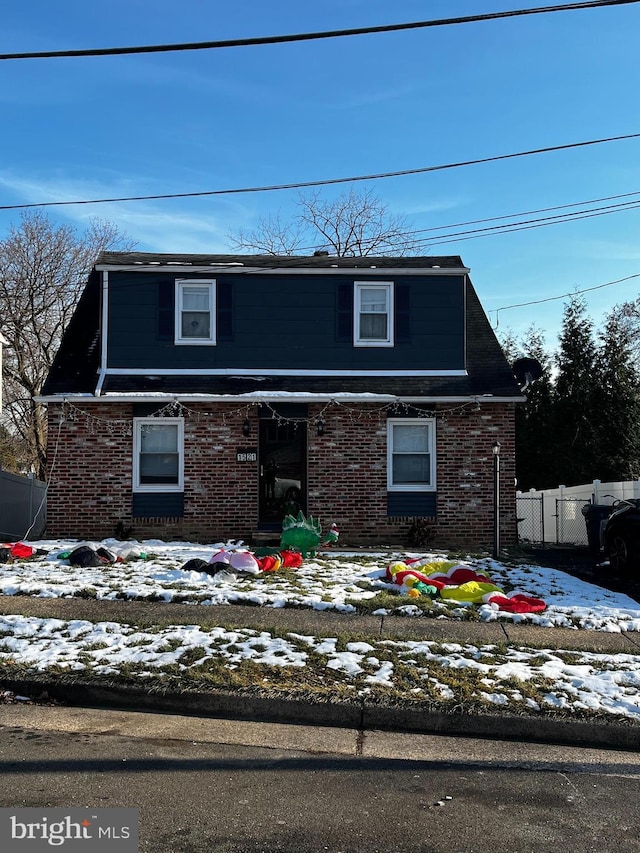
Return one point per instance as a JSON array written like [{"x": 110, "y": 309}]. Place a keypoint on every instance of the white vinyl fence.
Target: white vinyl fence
[
  {"x": 555, "y": 517},
  {"x": 22, "y": 506}
]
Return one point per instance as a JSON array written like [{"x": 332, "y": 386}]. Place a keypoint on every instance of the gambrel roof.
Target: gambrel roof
[{"x": 76, "y": 367}]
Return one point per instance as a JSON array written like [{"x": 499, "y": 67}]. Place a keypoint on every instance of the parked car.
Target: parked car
[{"x": 621, "y": 536}]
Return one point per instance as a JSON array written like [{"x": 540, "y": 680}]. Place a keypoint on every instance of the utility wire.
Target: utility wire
[
  {"x": 522, "y": 227},
  {"x": 575, "y": 213},
  {"x": 328, "y": 181},
  {"x": 425, "y": 244},
  {"x": 504, "y": 228},
  {"x": 313, "y": 36},
  {"x": 563, "y": 296}
]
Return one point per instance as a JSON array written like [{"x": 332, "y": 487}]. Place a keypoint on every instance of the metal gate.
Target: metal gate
[
  {"x": 571, "y": 528},
  {"x": 533, "y": 529},
  {"x": 530, "y": 517}
]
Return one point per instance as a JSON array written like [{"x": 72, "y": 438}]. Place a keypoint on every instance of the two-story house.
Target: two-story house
[{"x": 205, "y": 396}]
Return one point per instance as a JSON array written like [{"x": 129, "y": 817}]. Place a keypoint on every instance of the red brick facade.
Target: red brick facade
[{"x": 91, "y": 459}]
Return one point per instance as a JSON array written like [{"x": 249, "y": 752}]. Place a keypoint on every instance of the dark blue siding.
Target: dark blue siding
[
  {"x": 284, "y": 321},
  {"x": 411, "y": 504},
  {"x": 157, "y": 505}
]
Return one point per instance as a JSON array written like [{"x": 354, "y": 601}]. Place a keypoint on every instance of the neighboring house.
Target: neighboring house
[
  {"x": 205, "y": 396},
  {"x": 3, "y": 343}
]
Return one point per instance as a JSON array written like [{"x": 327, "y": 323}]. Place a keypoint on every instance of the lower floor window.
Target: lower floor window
[
  {"x": 410, "y": 454},
  {"x": 158, "y": 454}
]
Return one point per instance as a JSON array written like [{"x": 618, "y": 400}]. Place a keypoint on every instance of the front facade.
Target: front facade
[{"x": 205, "y": 397}]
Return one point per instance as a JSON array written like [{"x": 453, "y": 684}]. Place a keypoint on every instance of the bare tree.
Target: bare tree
[
  {"x": 43, "y": 268},
  {"x": 352, "y": 225}
]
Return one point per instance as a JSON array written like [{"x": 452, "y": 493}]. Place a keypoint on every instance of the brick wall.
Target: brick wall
[
  {"x": 348, "y": 476},
  {"x": 90, "y": 488}
]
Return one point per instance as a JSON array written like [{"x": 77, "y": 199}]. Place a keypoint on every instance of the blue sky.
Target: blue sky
[{"x": 186, "y": 122}]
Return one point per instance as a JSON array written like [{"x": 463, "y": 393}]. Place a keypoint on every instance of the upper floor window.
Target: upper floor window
[
  {"x": 195, "y": 312},
  {"x": 158, "y": 454},
  {"x": 410, "y": 454},
  {"x": 373, "y": 314}
]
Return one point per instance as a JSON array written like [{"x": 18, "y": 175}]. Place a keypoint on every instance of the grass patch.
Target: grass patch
[
  {"x": 86, "y": 592},
  {"x": 381, "y": 600}
]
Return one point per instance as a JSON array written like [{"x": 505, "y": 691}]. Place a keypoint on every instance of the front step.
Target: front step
[{"x": 266, "y": 537}]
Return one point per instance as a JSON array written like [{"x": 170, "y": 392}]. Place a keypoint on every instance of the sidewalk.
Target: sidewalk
[
  {"x": 362, "y": 714},
  {"x": 321, "y": 623}
]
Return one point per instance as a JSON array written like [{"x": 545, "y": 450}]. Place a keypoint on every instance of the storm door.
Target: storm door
[{"x": 282, "y": 467}]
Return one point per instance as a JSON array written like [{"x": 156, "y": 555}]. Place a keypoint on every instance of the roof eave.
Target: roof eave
[
  {"x": 280, "y": 270},
  {"x": 290, "y": 397}
]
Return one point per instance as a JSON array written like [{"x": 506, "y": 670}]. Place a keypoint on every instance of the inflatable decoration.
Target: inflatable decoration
[
  {"x": 305, "y": 534},
  {"x": 16, "y": 551},
  {"x": 241, "y": 561},
  {"x": 454, "y": 582}
]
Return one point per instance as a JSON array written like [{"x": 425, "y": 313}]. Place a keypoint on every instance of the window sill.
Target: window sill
[
  {"x": 376, "y": 344},
  {"x": 145, "y": 490},
  {"x": 396, "y": 489}
]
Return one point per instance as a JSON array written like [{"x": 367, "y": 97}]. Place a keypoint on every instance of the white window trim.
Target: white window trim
[
  {"x": 357, "y": 290},
  {"x": 417, "y": 487},
  {"x": 181, "y": 283},
  {"x": 157, "y": 487}
]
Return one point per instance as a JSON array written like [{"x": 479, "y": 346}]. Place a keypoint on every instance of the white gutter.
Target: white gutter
[
  {"x": 283, "y": 270},
  {"x": 258, "y": 373},
  {"x": 281, "y": 396},
  {"x": 102, "y": 373}
]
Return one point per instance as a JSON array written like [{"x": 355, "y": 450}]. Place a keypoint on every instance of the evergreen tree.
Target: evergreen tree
[
  {"x": 575, "y": 425},
  {"x": 535, "y": 452},
  {"x": 617, "y": 408}
]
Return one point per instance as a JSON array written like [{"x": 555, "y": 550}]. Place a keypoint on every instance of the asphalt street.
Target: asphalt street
[{"x": 237, "y": 787}]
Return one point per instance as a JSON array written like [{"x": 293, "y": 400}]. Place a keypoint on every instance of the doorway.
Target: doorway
[{"x": 282, "y": 469}]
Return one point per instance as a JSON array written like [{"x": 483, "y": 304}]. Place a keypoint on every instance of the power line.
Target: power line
[
  {"x": 327, "y": 181},
  {"x": 544, "y": 220},
  {"x": 566, "y": 217},
  {"x": 563, "y": 296},
  {"x": 517, "y": 226},
  {"x": 313, "y": 36},
  {"x": 522, "y": 213}
]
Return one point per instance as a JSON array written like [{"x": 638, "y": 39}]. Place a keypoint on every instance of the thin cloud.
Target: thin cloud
[
  {"x": 377, "y": 96},
  {"x": 611, "y": 250},
  {"x": 156, "y": 226},
  {"x": 420, "y": 207}
]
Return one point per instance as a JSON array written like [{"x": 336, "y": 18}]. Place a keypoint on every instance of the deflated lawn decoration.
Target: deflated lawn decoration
[
  {"x": 227, "y": 565},
  {"x": 454, "y": 582},
  {"x": 305, "y": 534},
  {"x": 10, "y": 551},
  {"x": 90, "y": 555}
]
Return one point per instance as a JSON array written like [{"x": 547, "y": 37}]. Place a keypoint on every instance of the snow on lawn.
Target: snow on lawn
[
  {"x": 515, "y": 677},
  {"x": 518, "y": 678},
  {"x": 333, "y": 580}
]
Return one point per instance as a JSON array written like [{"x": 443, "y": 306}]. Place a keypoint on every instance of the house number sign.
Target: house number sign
[{"x": 246, "y": 455}]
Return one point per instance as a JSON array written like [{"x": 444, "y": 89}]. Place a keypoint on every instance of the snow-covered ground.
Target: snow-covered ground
[
  {"x": 325, "y": 582},
  {"x": 513, "y": 676}
]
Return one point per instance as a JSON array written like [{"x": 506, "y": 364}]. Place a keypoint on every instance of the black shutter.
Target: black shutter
[
  {"x": 166, "y": 309},
  {"x": 224, "y": 311},
  {"x": 344, "y": 313},
  {"x": 402, "y": 314}
]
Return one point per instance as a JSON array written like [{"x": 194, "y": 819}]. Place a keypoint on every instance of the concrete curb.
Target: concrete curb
[{"x": 361, "y": 716}]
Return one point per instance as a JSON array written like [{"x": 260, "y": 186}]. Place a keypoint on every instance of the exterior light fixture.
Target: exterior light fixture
[
  {"x": 320, "y": 427},
  {"x": 246, "y": 427}
]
